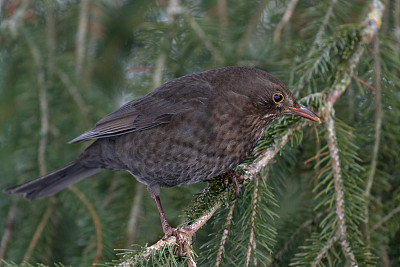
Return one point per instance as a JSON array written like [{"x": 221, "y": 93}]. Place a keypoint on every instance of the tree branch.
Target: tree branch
[
  {"x": 378, "y": 124},
  {"x": 225, "y": 233},
  {"x": 285, "y": 19},
  {"x": 96, "y": 222}
]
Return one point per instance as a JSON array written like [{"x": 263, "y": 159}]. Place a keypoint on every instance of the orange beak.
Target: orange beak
[{"x": 304, "y": 112}]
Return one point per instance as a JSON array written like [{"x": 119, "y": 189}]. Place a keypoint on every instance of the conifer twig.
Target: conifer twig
[
  {"x": 323, "y": 251},
  {"x": 321, "y": 29},
  {"x": 285, "y": 19},
  {"x": 207, "y": 43},
  {"x": 81, "y": 36},
  {"x": 386, "y": 218},
  {"x": 378, "y": 124},
  {"x": 44, "y": 131},
  {"x": 8, "y": 228},
  {"x": 96, "y": 222},
  {"x": 301, "y": 227},
  {"x": 76, "y": 96},
  {"x": 225, "y": 233},
  {"x": 338, "y": 183},
  {"x": 39, "y": 229},
  {"x": 253, "y": 216},
  {"x": 363, "y": 82},
  {"x": 252, "y": 26},
  {"x": 134, "y": 214}
]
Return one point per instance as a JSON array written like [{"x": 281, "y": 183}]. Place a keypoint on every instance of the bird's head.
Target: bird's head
[
  {"x": 272, "y": 99},
  {"x": 276, "y": 100}
]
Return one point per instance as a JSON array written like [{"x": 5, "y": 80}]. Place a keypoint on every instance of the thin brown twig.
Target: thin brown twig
[
  {"x": 225, "y": 233},
  {"x": 363, "y": 82},
  {"x": 96, "y": 222},
  {"x": 285, "y": 19},
  {"x": 315, "y": 157}
]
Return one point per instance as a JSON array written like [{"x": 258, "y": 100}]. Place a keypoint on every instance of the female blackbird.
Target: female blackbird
[{"x": 186, "y": 131}]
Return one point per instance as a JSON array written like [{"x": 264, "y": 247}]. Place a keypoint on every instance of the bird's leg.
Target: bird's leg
[
  {"x": 154, "y": 191},
  {"x": 168, "y": 230}
]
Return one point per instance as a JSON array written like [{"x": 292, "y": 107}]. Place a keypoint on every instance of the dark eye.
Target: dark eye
[{"x": 278, "y": 97}]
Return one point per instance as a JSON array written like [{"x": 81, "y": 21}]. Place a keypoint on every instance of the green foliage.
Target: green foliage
[{"x": 286, "y": 215}]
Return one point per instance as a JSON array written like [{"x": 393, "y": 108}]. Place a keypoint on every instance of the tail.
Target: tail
[{"x": 53, "y": 182}]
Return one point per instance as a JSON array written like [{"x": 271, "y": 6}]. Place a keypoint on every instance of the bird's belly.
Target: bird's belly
[{"x": 176, "y": 156}]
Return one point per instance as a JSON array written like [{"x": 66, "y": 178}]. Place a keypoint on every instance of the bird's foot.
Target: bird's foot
[
  {"x": 235, "y": 176},
  {"x": 183, "y": 236}
]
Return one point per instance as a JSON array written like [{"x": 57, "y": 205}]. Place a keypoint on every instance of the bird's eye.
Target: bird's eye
[{"x": 278, "y": 97}]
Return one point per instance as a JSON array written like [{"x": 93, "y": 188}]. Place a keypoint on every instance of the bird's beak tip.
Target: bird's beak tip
[{"x": 304, "y": 112}]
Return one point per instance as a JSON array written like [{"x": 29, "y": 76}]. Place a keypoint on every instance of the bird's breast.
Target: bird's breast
[{"x": 191, "y": 148}]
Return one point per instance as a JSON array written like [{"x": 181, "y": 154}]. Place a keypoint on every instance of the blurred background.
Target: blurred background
[{"x": 66, "y": 64}]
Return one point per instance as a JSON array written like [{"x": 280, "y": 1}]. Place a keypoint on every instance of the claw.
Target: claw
[
  {"x": 234, "y": 177},
  {"x": 182, "y": 235}
]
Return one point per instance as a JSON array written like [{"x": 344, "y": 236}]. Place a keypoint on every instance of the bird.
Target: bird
[{"x": 186, "y": 131}]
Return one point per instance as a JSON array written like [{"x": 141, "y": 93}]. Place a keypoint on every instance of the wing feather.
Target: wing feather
[{"x": 158, "y": 107}]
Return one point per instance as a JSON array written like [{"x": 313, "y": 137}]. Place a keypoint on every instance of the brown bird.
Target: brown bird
[{"x": 186, "y": 131}]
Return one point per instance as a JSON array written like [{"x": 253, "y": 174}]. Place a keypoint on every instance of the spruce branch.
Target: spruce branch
[
  {"x": 207, "y": 43},
  {"x": 378, "y": 125},
  {"x": 39, "y": 229},
  {"x": 253, "y": 216},
  {"x": 338, "y": 182},
  {"x": 8, "y": 228},
  {"x": 251, "y": 27},
  {"x": 225, "y": 233},
  {"x": 298, "y": 230},
  {"x": 285, "y": 19},
  {"x": 81, "y": 36},
  {"x": 96, "y": 222},
  {"x": 322, "y": 28},
  {"x": 324, "y": 250},
  {"x": 44, "y": 131},
  {"x": 386, "y": 218},
  {"x": 76, "y": 96}
]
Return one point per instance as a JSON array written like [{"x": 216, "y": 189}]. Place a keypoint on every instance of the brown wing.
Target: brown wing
[{"x": 158, "y": 107}]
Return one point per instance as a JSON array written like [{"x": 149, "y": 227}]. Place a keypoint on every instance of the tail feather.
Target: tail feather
[{"x": 53, "y": 182}]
